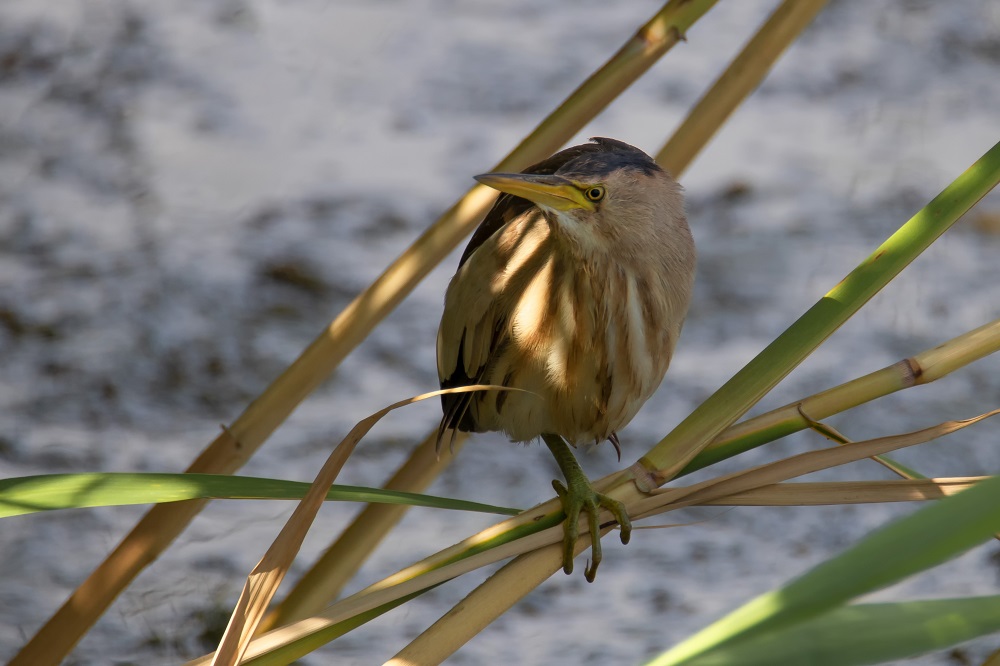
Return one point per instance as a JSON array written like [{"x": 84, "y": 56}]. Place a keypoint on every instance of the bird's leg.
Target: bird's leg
[{"x": 579, "y": 495}]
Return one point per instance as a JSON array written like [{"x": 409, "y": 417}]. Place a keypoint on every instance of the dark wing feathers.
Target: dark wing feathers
[{"x": 456, "y": 405}]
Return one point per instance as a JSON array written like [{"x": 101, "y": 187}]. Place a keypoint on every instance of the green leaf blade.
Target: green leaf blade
[
  {"x": 878, "y": 633},
  {"x": 891, "y": 554},
  {"x": 30, "y": 494}
]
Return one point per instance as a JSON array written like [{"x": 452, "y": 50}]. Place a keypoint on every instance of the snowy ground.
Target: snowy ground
[{"x": 190, "y": 190}]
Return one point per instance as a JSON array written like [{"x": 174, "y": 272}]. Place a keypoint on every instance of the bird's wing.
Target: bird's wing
[
  {"x": 470, "y": 335},
  {"x": 472, "y": 328}
]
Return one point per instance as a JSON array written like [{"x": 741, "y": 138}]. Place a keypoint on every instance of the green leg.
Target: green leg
[{"x": 579, "y": 495}]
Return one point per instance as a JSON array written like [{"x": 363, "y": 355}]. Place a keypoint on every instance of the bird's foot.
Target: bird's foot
[{"x": 579, "y": 496}]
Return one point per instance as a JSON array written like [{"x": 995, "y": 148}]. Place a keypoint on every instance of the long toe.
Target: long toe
[
  {"x": 571, "y": 525},
  {"x": 617, "y": 509}
]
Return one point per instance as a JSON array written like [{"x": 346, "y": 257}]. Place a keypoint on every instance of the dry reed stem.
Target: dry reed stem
[
  {"x": 923, "y": 368},
  {"x": 230, "y": 450},
  {"x": 483, "y": 605},
  {"x": 265, "y": 578},
  {"x": 385, "y": 592},
  {"x": 452, "y": 631},
  {"x": 794, "y": 466},
  {"x": 835, "y": 435},
  {"x": 324, "y": 580},
  {"x": 494, "y": 597},
  {"x": 825, "y": 493},
  {"x": 740, "y": 79},
  {"x": 739, "y": 483},
  {"x": 657, "y": 36}
]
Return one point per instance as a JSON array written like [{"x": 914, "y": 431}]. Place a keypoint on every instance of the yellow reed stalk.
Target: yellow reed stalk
[
  {"x": 741, "y": 78},
  {"x": 265, "y": 578},
  {"x": 492, "y": 598},
  {"x": 922, "y": 368},
  {"x": 825, "y": 493},
  {"x": 502, "y": 590},
  {"x": 481, "y": 606},
  {"x": 324, "y": 580},
  {"x": 794, "y": 466},
  {"x": 292, "y": 641}
]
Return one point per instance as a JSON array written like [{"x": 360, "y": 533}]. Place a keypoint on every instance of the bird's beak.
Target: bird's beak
[{"x": 545, "y": 190}]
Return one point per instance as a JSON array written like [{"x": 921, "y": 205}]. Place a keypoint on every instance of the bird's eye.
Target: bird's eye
[{"x": 595, "y": 193}]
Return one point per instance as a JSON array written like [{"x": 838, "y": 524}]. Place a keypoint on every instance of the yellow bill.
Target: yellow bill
[{"x": 545, "y": 190}]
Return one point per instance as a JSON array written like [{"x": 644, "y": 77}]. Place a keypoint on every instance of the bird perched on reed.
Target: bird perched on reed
[{"x": 573, "y": 290}]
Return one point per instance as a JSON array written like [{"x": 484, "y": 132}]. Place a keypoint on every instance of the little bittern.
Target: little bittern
[{"x": 573, "y": 290}]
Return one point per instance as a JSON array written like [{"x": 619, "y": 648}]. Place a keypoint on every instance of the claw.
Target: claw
[{"x": 615, "y": 442}]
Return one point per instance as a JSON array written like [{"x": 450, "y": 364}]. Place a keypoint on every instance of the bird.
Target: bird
[{"x": 571, "y": 294}]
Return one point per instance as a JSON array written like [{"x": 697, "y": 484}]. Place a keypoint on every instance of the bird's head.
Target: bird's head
[{"x": 611, "y": 198}]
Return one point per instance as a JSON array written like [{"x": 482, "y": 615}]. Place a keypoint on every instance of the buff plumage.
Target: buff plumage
[
  {"x": 582, "y": 315},
  {"x": 573, "y": 290}
]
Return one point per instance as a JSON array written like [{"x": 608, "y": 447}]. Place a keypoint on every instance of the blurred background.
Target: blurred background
[{"x": 190, "y": 191}]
